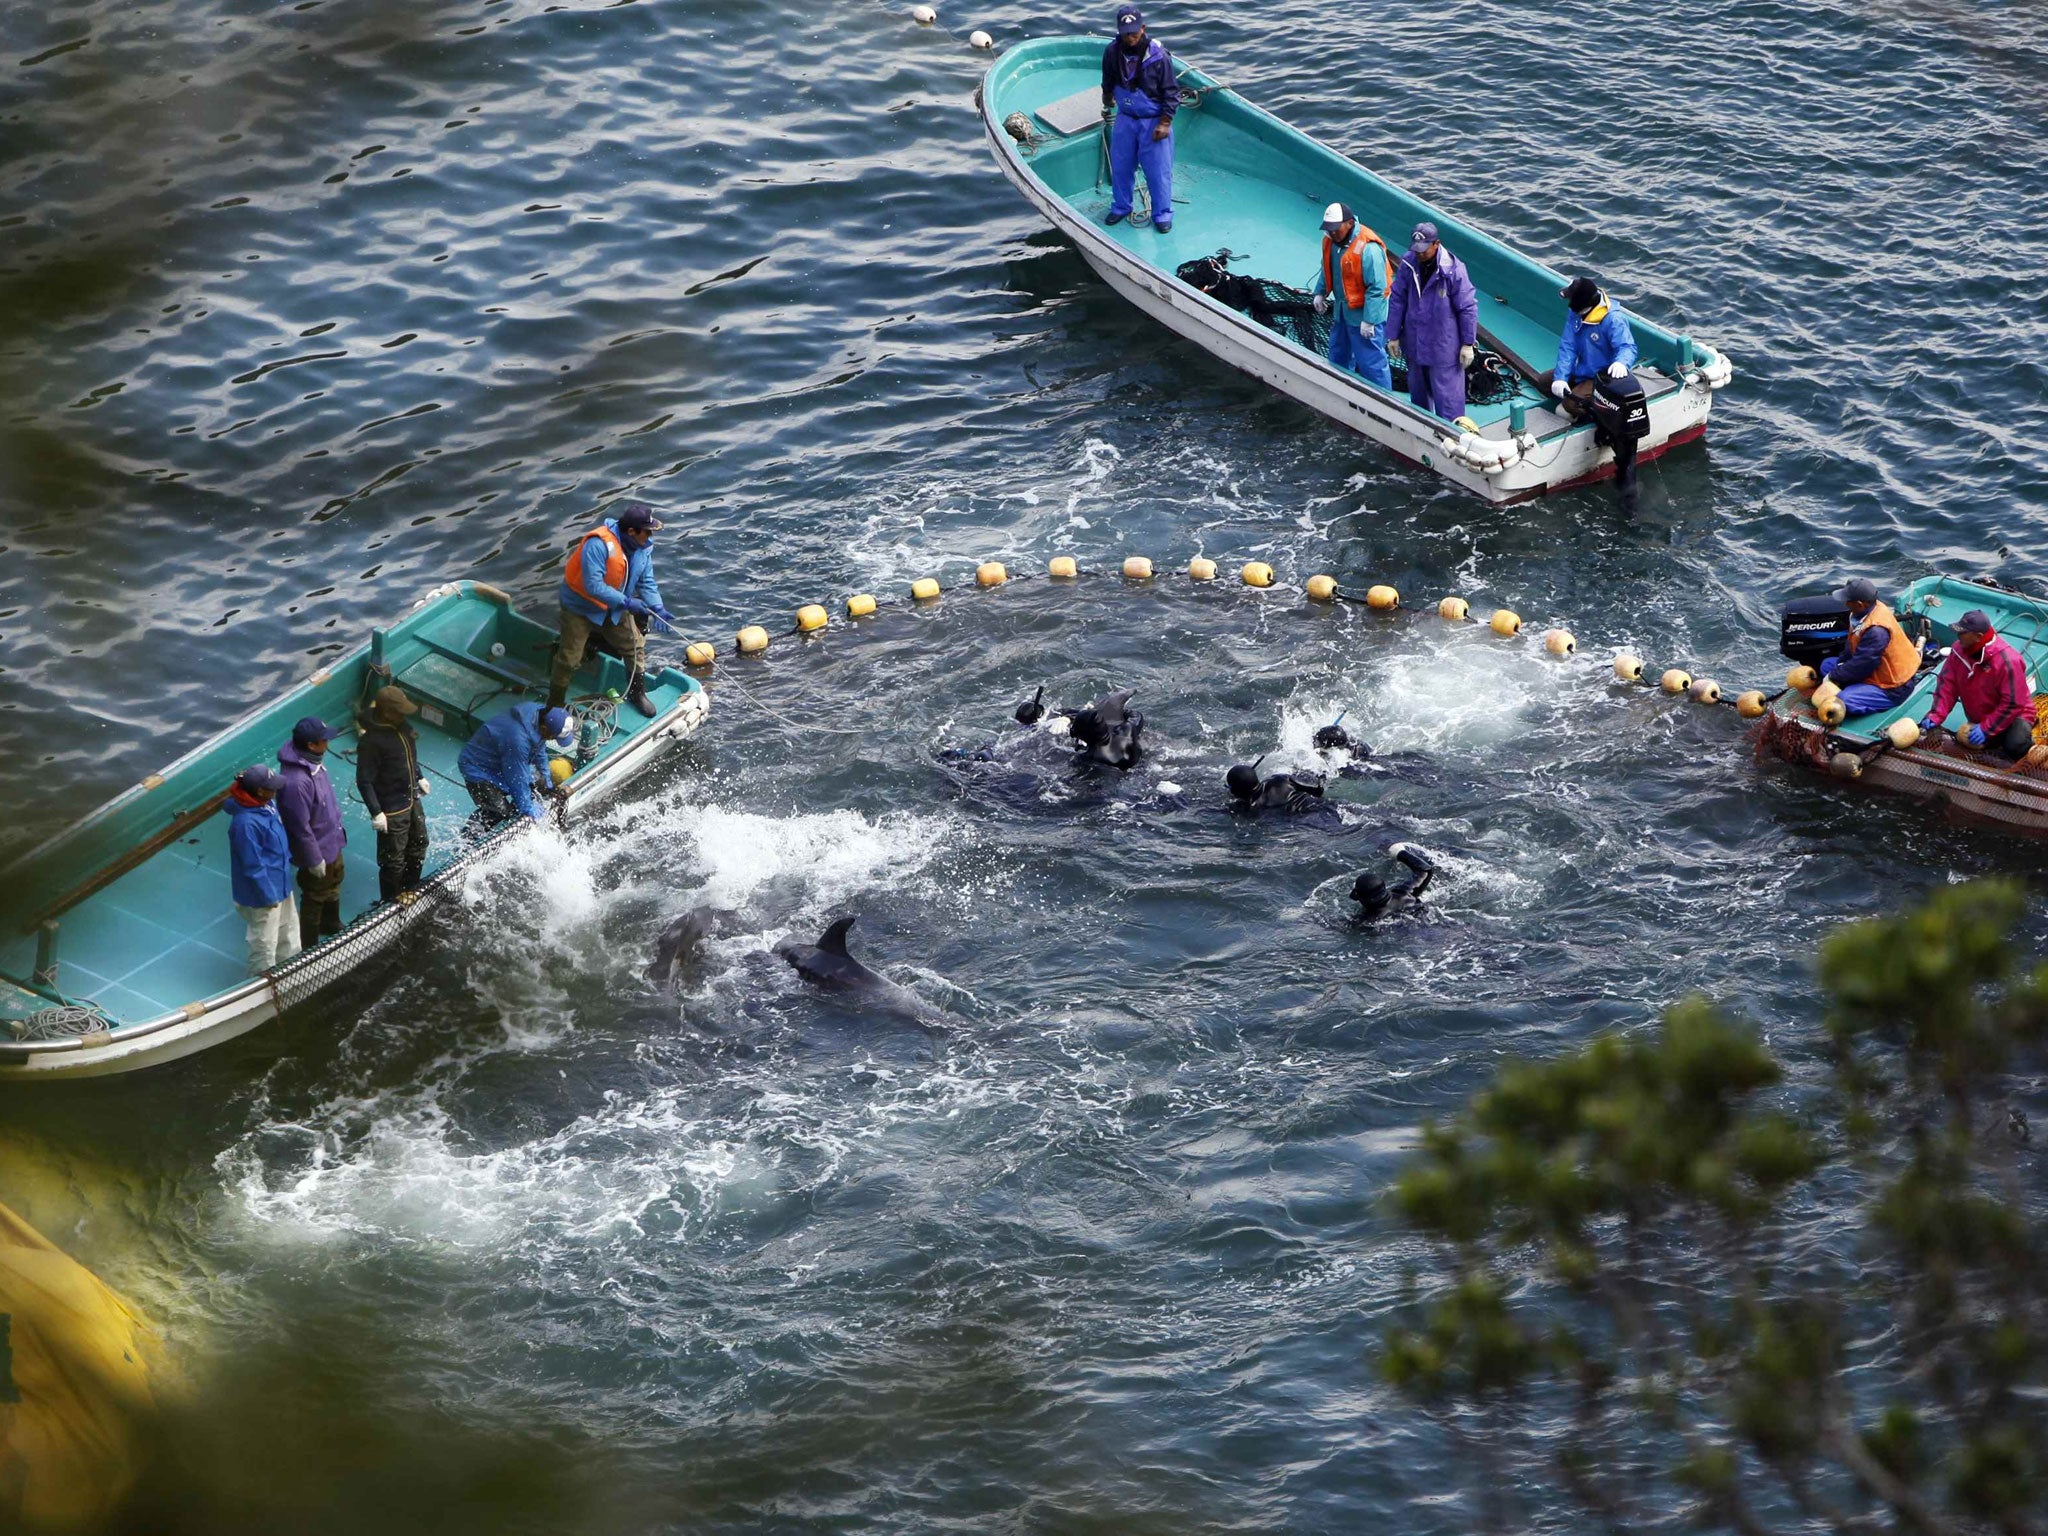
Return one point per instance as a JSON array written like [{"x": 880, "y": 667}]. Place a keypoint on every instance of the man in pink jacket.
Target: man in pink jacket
[{"x": 1987, "y": 677}]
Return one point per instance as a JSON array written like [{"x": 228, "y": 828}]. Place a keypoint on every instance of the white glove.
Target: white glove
[
  {"x": 1322, "y": 303},
  {"x": 1617, "y": 370},
  {"x": 381, "y": 822},
  {"x": 1559, "y": 388},
  {"x": 424, "y": 787},
  {"x": 318, "y": 871},
  {"x": 1465, "y": 356}
]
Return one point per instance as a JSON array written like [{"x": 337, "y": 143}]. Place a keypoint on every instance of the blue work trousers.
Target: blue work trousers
[
  {"x": 1866, "y": 698},
  {"x": 1361, "y": 348},
  {"x": 1131, "y": 145},
  {"x": 1438, "y": 389}
]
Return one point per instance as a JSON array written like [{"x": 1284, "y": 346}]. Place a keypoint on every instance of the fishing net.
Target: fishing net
[{"x": 1291, "y": 312}]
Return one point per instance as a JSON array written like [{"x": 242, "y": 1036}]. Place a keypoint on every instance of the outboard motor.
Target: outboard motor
[
  {"x": 1811, "y": 629},
  {"x": 1621, "y": 410}
]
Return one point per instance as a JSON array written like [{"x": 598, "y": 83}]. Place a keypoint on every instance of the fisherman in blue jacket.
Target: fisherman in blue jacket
[
  {"x": 1138, "y": 80},
  {"x": 260, "y": 867},
  {"x": 608, "y": 592},
  {"x": 1596, "y": 345},
  {"x": 502, "y": 761}
]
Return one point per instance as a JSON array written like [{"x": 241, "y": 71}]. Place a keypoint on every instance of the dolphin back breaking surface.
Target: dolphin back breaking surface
[{"x": 829, "y": 965}]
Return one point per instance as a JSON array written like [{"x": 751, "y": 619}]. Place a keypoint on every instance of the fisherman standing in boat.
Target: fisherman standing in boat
[
  {"x": 1878, "y": 663},
  {"x": 388, "y": 778},
  {"x": 1358, "y": 265},
  {"x": 311, "y": 814},
  {"x": 1139, "y": 82},
  {"x": 608, "y": 593},
  {"x": 1433, "y": 323},
  {"x": 260, "y": 868},
  {"x": 1986, "y": 676}
]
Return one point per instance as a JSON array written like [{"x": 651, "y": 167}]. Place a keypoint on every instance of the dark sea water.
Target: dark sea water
[{"x": 306, "y": 308}]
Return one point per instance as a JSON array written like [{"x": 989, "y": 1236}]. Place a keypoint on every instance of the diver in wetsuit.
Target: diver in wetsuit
[
  {"x": 1376, "y": 899},
  {"x": 1291, "y": 794}
]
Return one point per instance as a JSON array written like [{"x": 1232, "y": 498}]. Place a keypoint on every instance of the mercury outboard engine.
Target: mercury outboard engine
[
  {"x": 1811, "y": 629},
  {"x": 1621, "y": 410}
]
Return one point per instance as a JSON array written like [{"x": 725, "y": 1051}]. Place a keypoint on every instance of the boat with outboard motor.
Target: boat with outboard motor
[
  {"x": 1886, "y": 750},
  {"x": 120, "y": 945},
  {"x": 1255, "y": 189}
]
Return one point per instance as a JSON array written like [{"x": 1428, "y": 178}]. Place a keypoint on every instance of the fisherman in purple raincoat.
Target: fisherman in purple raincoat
[{"x": 1433, "y": 322}]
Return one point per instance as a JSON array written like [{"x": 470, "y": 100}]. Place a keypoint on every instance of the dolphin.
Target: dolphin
[
  {"x": 681, "y": 946},
  {"x": 827, "y": 964}
]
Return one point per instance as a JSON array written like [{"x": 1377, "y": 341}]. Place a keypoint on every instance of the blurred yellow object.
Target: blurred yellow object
[
  {"x": 811, "y": 616},
  {"x": 1454, "y": 609},
  {"x": 1258, "y": 574},
  {"x": 860, "y": 605},
  {"x": 1062, "y": 566},
  {"x": 1137, "y": 568},
  {"x": 1505, "y": 622},
  {"x": 559, "y": 769},
  {"x": 1382, "y": 598},
  {"x": 991, "y": 573},
  {"x": 1202, "y": 569},
  {"x": 925, "y": 588},
  {"x": 1321, "y": 589},
  {"x": 76, "y": 1396}
]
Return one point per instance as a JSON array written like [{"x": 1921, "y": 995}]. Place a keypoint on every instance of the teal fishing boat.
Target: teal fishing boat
[
  {"x": 120, "y": 945},
  {"x": 1247, "y": 184},
  {"x": 1887, "y": 751}
]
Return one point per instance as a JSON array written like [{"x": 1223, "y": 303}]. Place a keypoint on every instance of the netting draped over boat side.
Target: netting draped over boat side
[{"x": 1291, "y": 312}]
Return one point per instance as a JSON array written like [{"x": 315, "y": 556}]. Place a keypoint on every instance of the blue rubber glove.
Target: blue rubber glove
[
  {"x": 1929, "y": 725},
  {"x": 634, "y": 606},
  {"x": 1976, "y": 737},
  {"x": 666, "y": 617}
]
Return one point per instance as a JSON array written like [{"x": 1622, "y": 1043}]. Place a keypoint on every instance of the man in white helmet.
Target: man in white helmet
[{"x": 1354, "y": 275}]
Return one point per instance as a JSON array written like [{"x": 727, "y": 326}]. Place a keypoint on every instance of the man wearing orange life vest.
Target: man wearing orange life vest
[
  {"x": 608, "y": 592},
  {"x": 1357, "y": 265},
  {"x": 1878, "y": 663}
]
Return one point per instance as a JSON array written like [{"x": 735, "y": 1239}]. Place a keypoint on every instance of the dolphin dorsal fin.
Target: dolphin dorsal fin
[{"x": 833, "y": 939}]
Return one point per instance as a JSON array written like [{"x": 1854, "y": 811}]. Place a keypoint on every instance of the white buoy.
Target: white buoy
[
  {"x": 923, "y": 15},
  {"x": 979, "y": 39}
]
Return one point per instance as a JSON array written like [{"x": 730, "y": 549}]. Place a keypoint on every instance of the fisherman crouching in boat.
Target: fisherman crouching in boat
[
  {"x": 1138, "y": 82},
  {"x": 1596, "y": 345},
  {"x": 388, "y": 778},
  {"x": 1358, "y": 267},
  {"x": 1987, "y": 677},
  {"x": 505, "y": 759},
  {"x": 1878, "y": 663},
  {"x": 1433, "y": 323},
  {"x": 311, "y": 813},
  {"x": 260, "y": 868},
  {"x": 608, "y": 594}
]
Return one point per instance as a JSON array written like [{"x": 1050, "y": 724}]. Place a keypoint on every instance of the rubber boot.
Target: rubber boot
[
  {"x": 309, "y": 922},
  {"x": 411, "y": 882},
  {"x": 330, "y": 918},
  {"x": 387, "y": 885},
  {"x": 636, "y": 695}
]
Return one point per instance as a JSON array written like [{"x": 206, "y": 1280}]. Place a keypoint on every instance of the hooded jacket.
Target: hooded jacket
[
  {"x": 259, "y": 855},
  {"x": 308, "y": 808},
  {"x": 604, "y": 597},
  {"x": 1432, "y": 320},
  {"x": 1590, "y": 343},
  {"x": 1992, "y": 689}
]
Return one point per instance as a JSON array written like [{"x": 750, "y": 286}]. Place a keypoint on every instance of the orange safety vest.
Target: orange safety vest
[
  {"x": 1355, "y": 291},
  {"x": 1901, "y": 657},
  {"x": 614, "y": 564}
]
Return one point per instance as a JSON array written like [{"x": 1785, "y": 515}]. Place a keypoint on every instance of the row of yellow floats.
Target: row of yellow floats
[{"x": 1750, "y": 704}]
